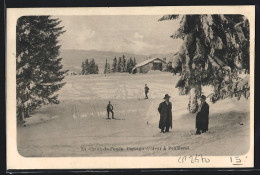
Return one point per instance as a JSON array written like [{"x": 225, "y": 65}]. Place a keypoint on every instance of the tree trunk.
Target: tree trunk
[
  {"x": 194, "y": 94},
  {"x": 20, "y": 116}
]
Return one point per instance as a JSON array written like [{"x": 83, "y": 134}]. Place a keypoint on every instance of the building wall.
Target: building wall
[
  {"x": 146, "y": 68},
  {"x": 138, "y": 70},
  {"x": 164, "y": 65}
]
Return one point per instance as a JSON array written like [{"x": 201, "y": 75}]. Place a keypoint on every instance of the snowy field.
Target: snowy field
[{"x": 57, "y": 130}]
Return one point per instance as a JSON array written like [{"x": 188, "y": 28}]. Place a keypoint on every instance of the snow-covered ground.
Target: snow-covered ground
[{"x": 78, "y": 126}]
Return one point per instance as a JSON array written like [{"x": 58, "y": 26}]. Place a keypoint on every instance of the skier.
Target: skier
[
  {"x": 110, "y": 109},
  {"x": 165, "y": 110},
  {"x": 202, "y": 117},
  {"x": 146, "y": 90}
]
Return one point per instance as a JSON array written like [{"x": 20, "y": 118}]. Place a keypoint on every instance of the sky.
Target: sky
[{"x": 122, "y": 33}]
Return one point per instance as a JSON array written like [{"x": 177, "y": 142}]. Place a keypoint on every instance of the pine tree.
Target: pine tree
[
  {"x": 107, "y": 68},
  {"x": 38, "y": 66},
  {"x": 134, "y": 62},
  {"x": 114, "y": 68},
  {"x": 120, "y": 67},
  {"x": 130, "y": 65},
  {"x": 214, "y": 48},
  {"x": 96, "y": 70},
  {"x": 86, "y": 68},
  {"x": 123, "y": 64},
  {"x": 127, "y": 65},
  {"x": 176, "y": 64},
  {"x": 83, "y": 68},
  {"x": 89, "y": 67},
  {"x": 92, "y": 66}
]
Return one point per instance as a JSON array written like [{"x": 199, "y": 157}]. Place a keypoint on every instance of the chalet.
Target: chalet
[
  {"x": 71, "y": 73},
  {"x": 151, "y": 64}
]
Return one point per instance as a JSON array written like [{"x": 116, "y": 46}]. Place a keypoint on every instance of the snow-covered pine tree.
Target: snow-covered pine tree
[
  {"x": 114, "y": 66},
  {"x": 123, "y": 63},
  {"x": 214, "y": 48},
  {"x": 83, "y": 68},
  {"x": 92, "y": 66},
  {"x": 134, "y": 62},
  {"x": 120, "y": 67},
  {"x": 131, "y": 65},
  {"x": 128, "y": 65},
  {"x": 87, "y": 67},
  {"x": 107, "y": 68},
  {"x": 176, "y": 64},
  {"x": 38, "y": 66},
  {"x": 96, "y": 70}
]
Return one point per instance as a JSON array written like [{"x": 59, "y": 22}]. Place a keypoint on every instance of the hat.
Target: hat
[
  {"x": 203, "y": 97},
  {"x": 166, "y": 95}
]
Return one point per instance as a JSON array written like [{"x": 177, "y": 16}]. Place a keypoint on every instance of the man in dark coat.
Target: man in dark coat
[
  {"x": 165, "y": 110},
  {"x": 146, "y": 91},
  {"x": 202, "y": 117},
  {"x": 110, "y": 109}
]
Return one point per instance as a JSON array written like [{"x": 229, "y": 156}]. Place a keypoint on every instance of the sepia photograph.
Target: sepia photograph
[{"x": 135, "y": 84}]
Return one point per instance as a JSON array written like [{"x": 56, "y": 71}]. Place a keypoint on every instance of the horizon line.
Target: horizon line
[{"x": 119, "y": 51}]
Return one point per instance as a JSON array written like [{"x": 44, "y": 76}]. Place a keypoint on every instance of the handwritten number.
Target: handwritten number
[
  {"x": 193, "y": 159},
  {"x": 235, "y": 160}
]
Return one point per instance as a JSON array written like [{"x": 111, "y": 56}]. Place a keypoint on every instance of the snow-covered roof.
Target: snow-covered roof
[
  {"x": 148, "y": 61},
  {"x": 70, "y": 71}
]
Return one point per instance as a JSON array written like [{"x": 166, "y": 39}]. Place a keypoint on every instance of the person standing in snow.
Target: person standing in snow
[
  {"x": 165, "y": 110},
  {"x": 146, "y": 91},
  {"x": 202, "y": 117},
  {"x": 110, "y": 109}
]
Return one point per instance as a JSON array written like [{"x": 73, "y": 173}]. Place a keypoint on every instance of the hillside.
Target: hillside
[
  {"x": 72, "y": 58},
  {"x": 79, "y": 122}
]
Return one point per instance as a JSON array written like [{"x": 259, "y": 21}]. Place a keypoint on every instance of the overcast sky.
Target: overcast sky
[{"x": 133, "y": 34}]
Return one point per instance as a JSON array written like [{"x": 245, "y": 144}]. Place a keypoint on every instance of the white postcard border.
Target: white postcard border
[{"x": 16, "y": 161}]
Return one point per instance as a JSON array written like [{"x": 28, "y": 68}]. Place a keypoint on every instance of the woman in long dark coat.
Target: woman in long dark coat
[
  {"x": 202, "y": 117},
  {"x": 165, "y": 110}
]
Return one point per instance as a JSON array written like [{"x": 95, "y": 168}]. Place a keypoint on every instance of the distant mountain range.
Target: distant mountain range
[{"x": 72, "y": 58}]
